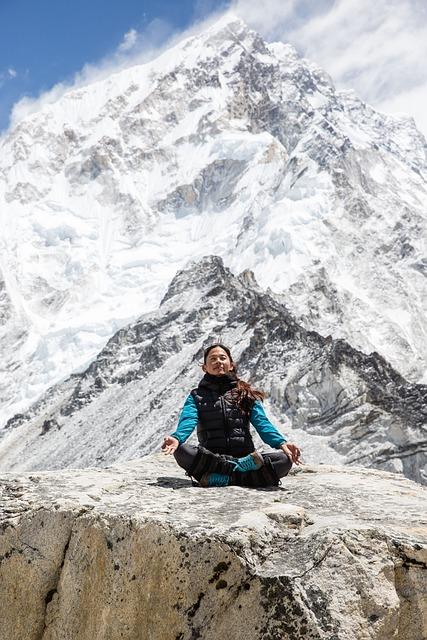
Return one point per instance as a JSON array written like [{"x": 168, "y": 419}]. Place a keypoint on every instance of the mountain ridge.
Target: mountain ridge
[
  {"x": 130, "y": 396},
  {"x": 253, "y": 154}
]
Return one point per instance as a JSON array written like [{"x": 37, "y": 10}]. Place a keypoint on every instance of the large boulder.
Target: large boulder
[{"x": 136, "y": 552}]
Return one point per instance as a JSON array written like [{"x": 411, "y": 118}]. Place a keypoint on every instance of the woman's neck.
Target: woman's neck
[{"x": 223, "y": 376}]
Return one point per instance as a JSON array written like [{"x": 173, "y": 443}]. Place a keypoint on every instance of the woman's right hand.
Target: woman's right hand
[
  {"x": 292, "y": 451},
  {"x": 170, "y": 445}
]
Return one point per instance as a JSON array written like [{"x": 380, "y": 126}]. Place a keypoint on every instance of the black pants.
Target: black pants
[{"x": 187, "y": 456}]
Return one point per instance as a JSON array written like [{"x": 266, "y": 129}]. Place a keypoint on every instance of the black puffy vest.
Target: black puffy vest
[{"x": 223, "y": 427}]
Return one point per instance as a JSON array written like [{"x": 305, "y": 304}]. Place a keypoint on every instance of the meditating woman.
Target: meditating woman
[{"x": 221, "y": 408}]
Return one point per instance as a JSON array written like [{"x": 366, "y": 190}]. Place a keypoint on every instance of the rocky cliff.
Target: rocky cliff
[{"x": 135, "y": 552}]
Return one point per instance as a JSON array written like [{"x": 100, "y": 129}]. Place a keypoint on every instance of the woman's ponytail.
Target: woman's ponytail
[{"x": 247, "y": 395}]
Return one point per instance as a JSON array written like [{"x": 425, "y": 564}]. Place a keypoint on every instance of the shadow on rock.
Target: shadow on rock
[{"x": 171, "y": 482}]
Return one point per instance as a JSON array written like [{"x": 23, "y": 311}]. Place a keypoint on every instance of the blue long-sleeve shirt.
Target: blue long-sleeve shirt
[{"x": 189, "y": 418}]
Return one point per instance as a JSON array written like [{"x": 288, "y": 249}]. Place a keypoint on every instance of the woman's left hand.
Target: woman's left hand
[
  {"x": 170, "y": 445},
  {"x": 292, "y": 451}
]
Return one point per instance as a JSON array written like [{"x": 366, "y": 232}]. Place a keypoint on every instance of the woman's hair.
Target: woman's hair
[{"x": 245, "y": 393}]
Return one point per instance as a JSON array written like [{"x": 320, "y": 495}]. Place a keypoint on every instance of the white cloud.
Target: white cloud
[
  {"x": 27, "y": 105},
  {"x": 129, "y": 40},
  {"x": 272, "y": 17},
  {"x": 410, "y": 102},
  {"x": 9, "y": 74}
]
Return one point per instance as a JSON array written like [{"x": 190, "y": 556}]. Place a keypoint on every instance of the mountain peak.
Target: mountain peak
[
  {"x": 209, "y": 270},
  {"x": 232, "y": 28},
  {"x": 226, "y": 144},
  {"x": 228, "y": 31},
  {"x": 229, "y": 21}
]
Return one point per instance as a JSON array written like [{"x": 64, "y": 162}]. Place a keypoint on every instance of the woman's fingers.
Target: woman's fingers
[
  {"x": 288, "y": 452},
  {"x": 170, "y": 445},
  {"x": 168, "y": 450},
  {"x": 296, "y": 456},
  {"x": 297, "y": 452},
  {"x": 293, "y": 452}
]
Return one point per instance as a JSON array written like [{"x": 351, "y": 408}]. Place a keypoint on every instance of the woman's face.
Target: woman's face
[{"x": 218, "y": 363}]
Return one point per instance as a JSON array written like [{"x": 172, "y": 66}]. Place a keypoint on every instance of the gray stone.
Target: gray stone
[{"x": 135, "y": 551}]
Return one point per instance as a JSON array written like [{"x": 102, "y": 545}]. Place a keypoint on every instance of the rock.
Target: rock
[{"x": 135, "y": 551}]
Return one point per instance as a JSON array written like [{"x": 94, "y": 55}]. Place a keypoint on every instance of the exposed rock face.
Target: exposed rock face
[
  {"x": 112, "y": 411},
  {"x": 135, "y": 552}
]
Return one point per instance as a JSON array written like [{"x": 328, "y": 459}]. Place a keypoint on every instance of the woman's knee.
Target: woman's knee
[
  {"x": 185, "y": 455},
  {"x": 281, "y": 463}
]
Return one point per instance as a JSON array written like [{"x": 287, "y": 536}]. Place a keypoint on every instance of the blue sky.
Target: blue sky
[
  {"x": 43, "y": 42},
  {"x": 47, "y": 46}
]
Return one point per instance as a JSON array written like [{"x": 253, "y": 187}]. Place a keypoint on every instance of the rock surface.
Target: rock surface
[{"x": 135, "y": 551}]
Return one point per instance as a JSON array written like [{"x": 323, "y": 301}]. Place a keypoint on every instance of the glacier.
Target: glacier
[{"x": 224, "y": 145}]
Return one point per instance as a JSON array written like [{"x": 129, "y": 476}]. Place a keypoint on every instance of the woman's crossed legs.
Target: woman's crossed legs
[{"x": 187, "y": 455}]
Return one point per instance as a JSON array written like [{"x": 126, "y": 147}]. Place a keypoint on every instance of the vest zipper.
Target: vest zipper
[{"x": 226, "y": 425}]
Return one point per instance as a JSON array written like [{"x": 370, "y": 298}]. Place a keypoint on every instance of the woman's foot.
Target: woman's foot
[
  {"x": 252, "y": 462},
  {"x": 214, "y": 480}
]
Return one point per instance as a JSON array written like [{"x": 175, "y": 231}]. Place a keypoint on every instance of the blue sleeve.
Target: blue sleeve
[
  {"x": 267, "y": 431},
  {"x": 188, "y": 420}
]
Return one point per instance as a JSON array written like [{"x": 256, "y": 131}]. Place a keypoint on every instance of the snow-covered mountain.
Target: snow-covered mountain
[
  {"x": 227, "y": 145},
  {"x": 339, "y": 404}
]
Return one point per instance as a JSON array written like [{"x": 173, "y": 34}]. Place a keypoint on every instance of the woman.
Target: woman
[{"x": 221, "y": 408}]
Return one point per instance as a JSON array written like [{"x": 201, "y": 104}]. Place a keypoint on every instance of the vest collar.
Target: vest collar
[{"x": 219, "y": 383}]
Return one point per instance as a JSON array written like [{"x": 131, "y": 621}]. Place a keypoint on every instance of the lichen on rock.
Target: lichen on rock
[{"x": 136, "y": 551}]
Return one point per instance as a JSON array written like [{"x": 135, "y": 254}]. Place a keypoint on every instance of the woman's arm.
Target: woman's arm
[
  {"x": 267, "y": 431},
  {"x": 187, "y": 421},
  {"x": 271, "y": 435}
]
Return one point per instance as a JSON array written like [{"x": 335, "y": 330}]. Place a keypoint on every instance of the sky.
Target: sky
[{"x": 376, "y": 48}]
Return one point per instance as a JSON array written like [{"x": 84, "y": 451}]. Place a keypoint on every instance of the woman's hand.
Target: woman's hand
[
  {"x": 292, "y": 451},
  {"x": 170, "y": 445}
]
